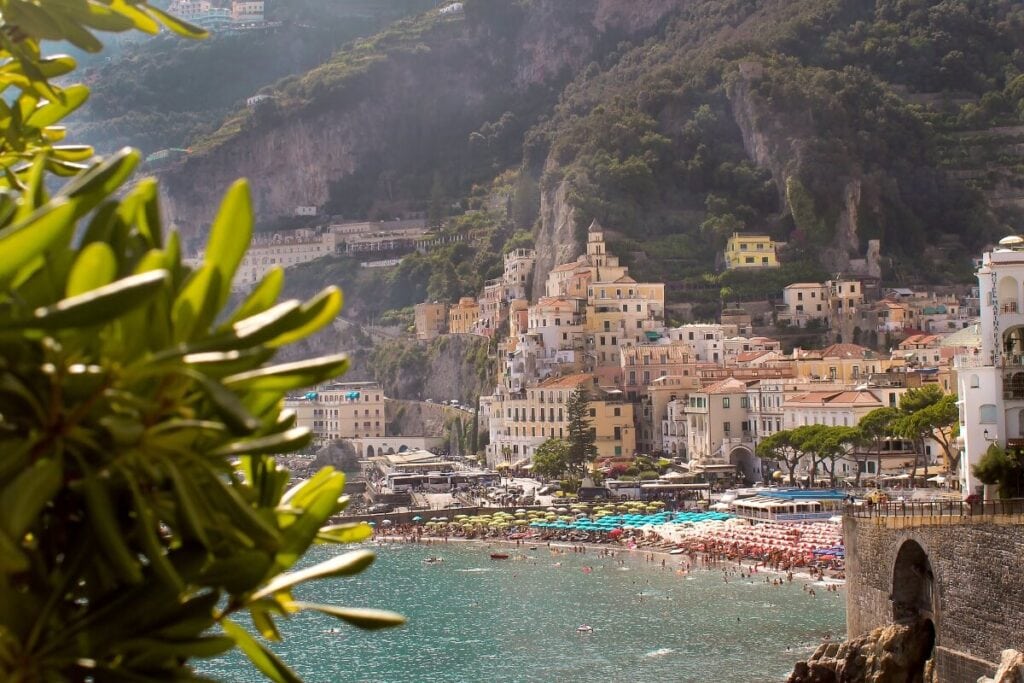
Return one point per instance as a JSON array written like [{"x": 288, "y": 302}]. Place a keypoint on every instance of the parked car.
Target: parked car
[{"x": 380, "y": 508}]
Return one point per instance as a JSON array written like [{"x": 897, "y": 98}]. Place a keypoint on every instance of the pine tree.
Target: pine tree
[{"x": 582, "y": 449}]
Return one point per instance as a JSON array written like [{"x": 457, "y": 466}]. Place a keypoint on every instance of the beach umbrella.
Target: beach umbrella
[
  {"x": 417, "y": 518},
  {"x": 372, "y": 523},
  {"x": 385, "y": 522}
]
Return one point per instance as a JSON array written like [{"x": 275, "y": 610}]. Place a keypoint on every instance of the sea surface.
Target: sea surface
[{"x": 476, "y": 619}]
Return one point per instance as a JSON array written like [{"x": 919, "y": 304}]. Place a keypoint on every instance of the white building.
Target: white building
[
  {"x": 247, "y": 11},
  {"x": 283, "y": 249},
  {"x": 340, "y": 410},
  {"x": 991, "y": 380},
  {"x": 804, "y": 302},
  {"x": 706, "y": 339}
]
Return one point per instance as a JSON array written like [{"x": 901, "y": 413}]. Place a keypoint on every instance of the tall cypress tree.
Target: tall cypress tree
[{"x": 582, "y": 449}]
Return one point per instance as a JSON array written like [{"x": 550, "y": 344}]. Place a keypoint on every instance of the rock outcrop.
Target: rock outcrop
[
  {"x": 1011, "y": 669},
  {"x": 426, "y": 93},
  {"x": 898, "y": 652},
  {"x": 556, "y": 239}
]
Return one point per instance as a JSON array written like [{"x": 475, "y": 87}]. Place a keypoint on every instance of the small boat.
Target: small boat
[
  {"x": 499, "y": 556},
  {"x": 584, "y": 628},
  {"x": 676, "y": 551},
  {"x": 433, "y": 560}
]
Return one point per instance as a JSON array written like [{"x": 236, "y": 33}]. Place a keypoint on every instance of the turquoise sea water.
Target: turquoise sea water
[{"x": 476, "y": 619}]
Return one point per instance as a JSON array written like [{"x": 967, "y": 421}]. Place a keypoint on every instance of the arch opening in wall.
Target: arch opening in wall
[
  {"x": 369, "y": 451},
  {"x": 746, "y": 464},
  {"x": 1008, "y": 294},
  {"x": 914, "y": 604},
  {"x": 403, "y": 448},
  {"x": 913, "y": 584}
]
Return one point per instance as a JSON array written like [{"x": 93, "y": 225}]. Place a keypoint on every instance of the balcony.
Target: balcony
[{"x": 1009, "y": 307}]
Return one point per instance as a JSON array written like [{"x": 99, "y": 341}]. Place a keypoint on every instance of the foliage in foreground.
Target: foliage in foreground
[{"x": 141, "y": 507}]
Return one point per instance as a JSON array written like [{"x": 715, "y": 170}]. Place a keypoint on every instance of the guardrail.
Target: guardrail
[{"x": 938, "y": 508}]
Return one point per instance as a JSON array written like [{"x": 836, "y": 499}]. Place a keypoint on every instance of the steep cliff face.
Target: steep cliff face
[
  {"x": 556, "y": 237},
  {"x": 426, "y": 95}
]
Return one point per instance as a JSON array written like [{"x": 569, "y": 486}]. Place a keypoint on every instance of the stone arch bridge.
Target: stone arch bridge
[{"x": 959, "y": 567}]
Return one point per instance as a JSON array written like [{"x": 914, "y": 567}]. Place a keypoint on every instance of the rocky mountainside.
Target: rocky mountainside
[{"x": 828, "y": 123}]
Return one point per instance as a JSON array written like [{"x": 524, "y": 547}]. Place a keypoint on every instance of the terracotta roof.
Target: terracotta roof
[
  {"x": 845, "y": 351},
  {"x": 729, "y": 385},
  {"x": 564, "y": 267},
  {"x": 567, "y": 381},
  {"x": 748, "y": 356}
]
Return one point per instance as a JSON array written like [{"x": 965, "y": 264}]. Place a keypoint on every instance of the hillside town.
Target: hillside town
[{"x": 706, "y": 395}]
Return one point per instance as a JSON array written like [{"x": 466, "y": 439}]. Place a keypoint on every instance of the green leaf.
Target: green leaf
[
  {"x": 343, "y": 565},
  {"x": 229, "y": 236},
  {"x": 196, "y": 305},
  {"x": 102, "y": 304},
  {"x": 262, "y": 296},
  {"x": 202, "y": 647},
  {"x": 264, "y": 660},
  {"x": 50, "y": 113},
  {"x": 95, "y": 266},
  {"x": 224, "y": 363},
  {"x": 284, "y": 442},
  {"x": 27, "y": 240},
  {"x": 25, "y": 496},
  {"x": 289, "y": 376},
  {"x": 228, "y": 405},
  {"x": 371, "y": 619},
  {"x": 345, "y": 533},
  {"x": 100, "y": 181},
  {"x": 12, "y": 557},
  {"x": 179, "y": 26},
  {"x": 103, "y": 521},
  {"x": 317, "y": 312}
]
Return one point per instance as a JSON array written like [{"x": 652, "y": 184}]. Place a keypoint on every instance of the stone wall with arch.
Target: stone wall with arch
[{"x": 967, "y": 579}]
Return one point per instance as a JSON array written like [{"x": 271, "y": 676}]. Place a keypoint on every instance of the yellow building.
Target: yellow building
[
  {"x": 521, "y": 421},
  {"x": 842, "y": 363},
  {"x": 750, "y": 251},
  {"x": 463, "y": 316},
  {"x": 431, "y": 319},
  {"x": 339, "y": 410}
]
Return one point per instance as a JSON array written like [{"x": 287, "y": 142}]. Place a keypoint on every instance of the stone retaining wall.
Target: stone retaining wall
[{"x": 978, "y": 594}]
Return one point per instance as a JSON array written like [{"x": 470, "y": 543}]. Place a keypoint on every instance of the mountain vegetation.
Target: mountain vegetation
[
  {"x": 160, "y": 92},
  {"x": 826, "y": 123}
]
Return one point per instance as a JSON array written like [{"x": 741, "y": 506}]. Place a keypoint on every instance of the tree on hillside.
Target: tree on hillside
[
  {"x": 876, "y": 428},
  {"x": 930, "y": 414},
  {"x": 581, "y": 437},
  {"x": 143, "y": 510},
  {"x": 833, "y": 444},
  {"x": 551, "y": 459},
  {"x": 924, "y": 413},
  {"x": 781, "y": 448},
  {"x": 1003, "y": 468},
  {"x": 807, "y": 440}
]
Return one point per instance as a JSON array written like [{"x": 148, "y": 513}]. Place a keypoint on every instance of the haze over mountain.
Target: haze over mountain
[{"x": 827, "y": 123}]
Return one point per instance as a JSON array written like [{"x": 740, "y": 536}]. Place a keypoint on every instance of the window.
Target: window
[
  {"x": 618, "y": 433},
  {"x": 617, "y": 412},
  {"x": 593, "y": 412},
  {"x": 725, "y": 402},
  {"x": 987, "y": 414},
  {"x": 975, "y": 382},
  {"x": 726, "y": 427},
  {"x": 744, "y": 402},
  {"x": 618, "y": 450},
  {"x": 749, "y": 259}
]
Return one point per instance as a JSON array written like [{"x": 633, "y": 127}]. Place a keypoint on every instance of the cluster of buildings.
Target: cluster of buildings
[
  {"x": 706, "y": 394},
  {"x": 213, "y": 15},
  {"x": 341, "y": 410},
  {"x": 382, "y": 243}
]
